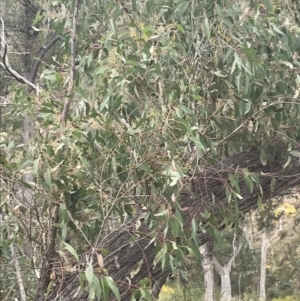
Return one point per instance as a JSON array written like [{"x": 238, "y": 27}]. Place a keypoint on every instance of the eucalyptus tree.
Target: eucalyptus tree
[{"x": 183, "y": 116}]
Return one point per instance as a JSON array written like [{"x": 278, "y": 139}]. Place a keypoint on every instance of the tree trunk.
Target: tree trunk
[
  {"x": 263, "y": 266},
  {"x": 224, "y": 272},
  {"x": 126, "y": 246},
  {"x": 226, "y": 283},
  {"x": 208, "y": 270}
]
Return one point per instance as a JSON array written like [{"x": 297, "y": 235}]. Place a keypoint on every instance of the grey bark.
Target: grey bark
[
  {"x": 263, "y": 265},
  {"x": 225, "y": 282},
  {"x": 208, "y": 270}
]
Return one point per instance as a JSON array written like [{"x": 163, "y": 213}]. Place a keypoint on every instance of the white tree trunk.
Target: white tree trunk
[
  {"x": 208, "y": 270},
  {"x": 263, "y": 266},
  {"x": 226, "y": 283},
  {"x": 224, "y": 272}
]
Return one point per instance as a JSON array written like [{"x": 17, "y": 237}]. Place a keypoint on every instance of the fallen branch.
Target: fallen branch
[{"x": 127, "y": 248}]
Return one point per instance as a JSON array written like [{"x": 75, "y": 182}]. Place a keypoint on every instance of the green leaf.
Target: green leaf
[
  {"x": 238, "y": 195},
  {"x": 63, "y": 213},
  {"x": 194, "y": 226},
  {"x": 98, "y": 5},
  {"x": 162, "y": 252},
  {"x": 276, "y": 29},
  {"x": 64, "y": 231},
  {"x": 82, "y": 92},
  {"x": 114, "y": 164},
  {"x": 288, "y": 64},
  {"x": 218, "y": 236},
  {"x": 259, "y": 203},
  {"x": 48, "y": 289},
  {"x": 174, "y": 246},
  {"x": 71, "y": 250},
  {"x": 194, "y": 230},
  {"x": 174, "y": 176},
  {"x": 228, "y": 195},
  {"x": 97, "y": 285},
  {"x": 38, "y": 17},
  {"x": 174, "y": 226},
  {"x": 263, "y": 159},
  {"x": 219, "y": 11},
  {"x": 249, "y": 183},
  {"x": 181, "y": 8},
  {"x": 27, "y": 185},
  {"x": 145, "y": 168},
  {"x": 36, "y": 166},
  {"x": 180, "y": 28},
  {"x": 287, "y": 163},
  {"x": 113, "y": 286},
  {"x": 206, "y": 28},
  {"x": 134, "y": 7},
  {"x": 273, "y": 184},
  {"x": 47, "y": 177},
  {"x": 89, "y": 273},
  {"x": 251, "y": 54},
  {"x": 246, "y": 106},
  {"x": 162, "y": 213},
  {"x": 195, "y": 250},
  {"x": 295, "y": 153},
  {"x": 219, "y": 74},
  {"x": 24, "y": 163}
]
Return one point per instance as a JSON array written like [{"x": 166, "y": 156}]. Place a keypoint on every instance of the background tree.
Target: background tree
[{"x": 208, "y": 270}]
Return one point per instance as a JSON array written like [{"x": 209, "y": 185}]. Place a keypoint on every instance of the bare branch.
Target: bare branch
[
  {"x": 18, "y": 30},
  {"x": 5, "y": 103},
  {"x": 6, "y": 65},
  {"x": 41, "y": 54}
]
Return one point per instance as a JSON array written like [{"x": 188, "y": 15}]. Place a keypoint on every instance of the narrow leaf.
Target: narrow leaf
[
  {"x": 206, "y": 28},
  {"x": 47, "y": 176},
  {"x": 71, "y": 250},
  {"x": 113, "y": 287}
]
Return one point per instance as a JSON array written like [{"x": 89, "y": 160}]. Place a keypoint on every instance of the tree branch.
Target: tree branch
[
  {"x": 73, "y": 63},
  {"x": 36, "y": 64},
  {"x": 41, "y": 54},
  {"x": 196, "y": 197},
  {"x": 48, "y": 258},
  {"x": 6, "y": 65},
  {"x": 16, "y": 264}
]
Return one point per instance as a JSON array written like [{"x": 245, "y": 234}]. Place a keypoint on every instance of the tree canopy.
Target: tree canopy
[{"x": 149, "y": 125}]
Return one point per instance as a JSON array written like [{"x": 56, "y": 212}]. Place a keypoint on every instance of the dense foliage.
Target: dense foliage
[{"x": 162, "y": 89}]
